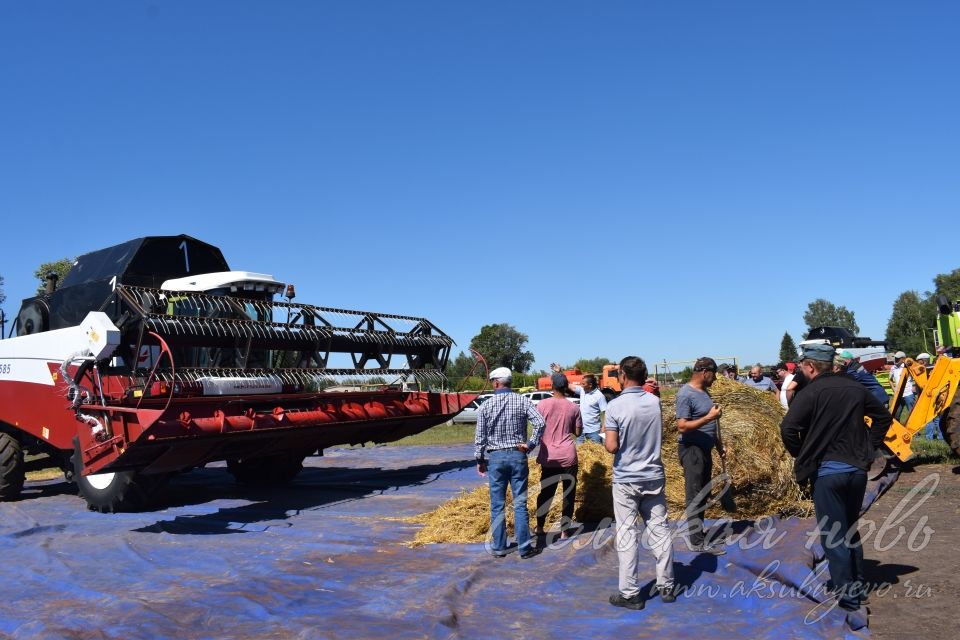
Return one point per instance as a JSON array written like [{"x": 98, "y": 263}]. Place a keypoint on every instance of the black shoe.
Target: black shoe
[
  {"x": 529, "y": 553},
  {"x": 634, "y": 602},
  {"x": 498, "y": 554},
  {"x": 667, "y": 595},
  {"x": 714, "y": 550},
  {"x": 858, "y": 618}
]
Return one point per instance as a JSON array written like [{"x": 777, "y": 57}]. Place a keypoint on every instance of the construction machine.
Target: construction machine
[
  {"x": 153, "y": 357},
  {"x": 935, "y": 388}
]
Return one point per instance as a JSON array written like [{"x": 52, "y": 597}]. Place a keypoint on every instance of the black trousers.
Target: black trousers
[
  {"x": 697, "y": 464},
  {"x": 836, "y": 500},
  {"x": 550, "y": 478}
]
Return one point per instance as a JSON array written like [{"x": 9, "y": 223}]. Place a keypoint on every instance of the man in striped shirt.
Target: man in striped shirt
[{"x": 500, "y": 448}]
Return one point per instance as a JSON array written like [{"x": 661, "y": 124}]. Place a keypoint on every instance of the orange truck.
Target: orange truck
[{"x": 607, "y": 380}]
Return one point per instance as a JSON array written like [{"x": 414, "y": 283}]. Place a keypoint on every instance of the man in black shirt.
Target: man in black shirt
[{"x": 826, "y": 433}]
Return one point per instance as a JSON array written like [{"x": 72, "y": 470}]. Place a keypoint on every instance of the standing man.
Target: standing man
[
  {"x": 500, "y": 448},
  {"x": 729, "y": 372},
  {"x": 633, "y": 435},
  {"x": 592, "y": 406},
  {"x": 826, "y": 433},
  {"x": 895, "y": 374},
  {"x": 558, "y": 454},
  {"x": 697, "y": 418},
  {"x": 932, "y": 430},
  {"x": 851, "y": 367},
  {"x": 757, "y": 380},
  {"x": 786, "y": 380}
]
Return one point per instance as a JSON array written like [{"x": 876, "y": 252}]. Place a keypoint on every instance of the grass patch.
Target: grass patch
[
  {"x": 441, "y": 434},
  {"x": 931, "y": 452}
]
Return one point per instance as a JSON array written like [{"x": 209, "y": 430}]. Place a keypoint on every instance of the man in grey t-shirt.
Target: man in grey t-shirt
[
  {"x": 697, "y": 418},
  {"x": 633, "y": 433}
]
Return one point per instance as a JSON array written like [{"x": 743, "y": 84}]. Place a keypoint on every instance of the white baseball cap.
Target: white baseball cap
[
  {"x": 923, "y": 355},
  {"x": 501, "y": 373},
  {"x": 899, "y": 354}
]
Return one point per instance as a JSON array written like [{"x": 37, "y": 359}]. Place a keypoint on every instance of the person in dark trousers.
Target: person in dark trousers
[
  {"x": 558, "y": 454},
  {"x": 500, "y": 447},
  {"x": 826, "y": 433},
  {"x": 697, "y": 417}
]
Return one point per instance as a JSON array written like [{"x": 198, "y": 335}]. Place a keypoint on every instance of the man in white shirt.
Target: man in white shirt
[
  {"x": 895, "y": 373},
  {"x": 592, "y": 406},
  {"x": 787, "y": 377}
]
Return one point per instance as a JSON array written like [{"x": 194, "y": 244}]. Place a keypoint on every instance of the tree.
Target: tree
[
  {"x": 60, "y": 267},
  {"x": 503, "y": 346},
  {"x": 912, "y": 317},
  {"x": 591, "y": 365},
  {"x": 788, "y": 348},
  {"x": 948, "y": 284},
  {"x": 461, "y": 366},
  {"x": 823, "y": 313}
]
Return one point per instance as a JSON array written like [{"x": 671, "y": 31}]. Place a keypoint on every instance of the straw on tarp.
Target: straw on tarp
[{"x": 757, "y": 462}]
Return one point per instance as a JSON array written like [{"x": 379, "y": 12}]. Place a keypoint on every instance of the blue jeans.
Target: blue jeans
[
  {"x": 836, "y": 500},
  {"x": 932, "y": 430},
  {"x": 590, "y": 435},
  {"x": 508, "y": 467}
]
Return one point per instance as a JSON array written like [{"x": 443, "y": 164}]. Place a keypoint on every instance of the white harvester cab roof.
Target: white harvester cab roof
[{"x": 232, "y": 280}]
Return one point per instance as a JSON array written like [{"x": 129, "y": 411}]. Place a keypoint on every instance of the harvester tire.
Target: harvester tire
[
  {"x": 270, "y": 471},
  {"x": 12, "y": 473},
  {"x": 116, "y": 491},
  {"x": 950, "y": 425}
]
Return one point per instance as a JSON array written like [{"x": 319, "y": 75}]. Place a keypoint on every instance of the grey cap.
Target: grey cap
[
  {"x": 899, "y": 354},
  {"x": 821, "y": 352}
]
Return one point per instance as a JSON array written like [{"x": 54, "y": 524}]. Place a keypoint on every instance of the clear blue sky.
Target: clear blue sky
[{"x": 668, "y": 179}]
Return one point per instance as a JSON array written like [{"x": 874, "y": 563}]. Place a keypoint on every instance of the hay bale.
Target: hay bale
[{"x": 761, "y": 469}]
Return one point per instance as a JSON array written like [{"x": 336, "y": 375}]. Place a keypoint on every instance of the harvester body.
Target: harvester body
[{"x": 154, "y": 357}]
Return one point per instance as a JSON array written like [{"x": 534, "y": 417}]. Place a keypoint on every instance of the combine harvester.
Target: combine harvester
[{"x": 154, "y": 358}]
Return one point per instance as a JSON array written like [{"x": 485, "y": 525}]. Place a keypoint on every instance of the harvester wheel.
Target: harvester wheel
[
  {"x": 950, "y": 425},
  {"x": 11, "y": 467},
  {"x": 267, "y": 471},
  {"x": 115, "y": 491}
]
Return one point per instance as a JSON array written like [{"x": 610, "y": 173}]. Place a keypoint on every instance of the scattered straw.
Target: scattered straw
[{"x": 761, "y": 468}]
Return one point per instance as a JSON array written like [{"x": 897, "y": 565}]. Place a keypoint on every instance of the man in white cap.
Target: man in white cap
[
  {"x": 500, "y": 448},
  {"x": 895, "y": 373}
]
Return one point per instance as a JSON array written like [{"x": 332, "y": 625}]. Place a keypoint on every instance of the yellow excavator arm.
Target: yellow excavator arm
[{"x": 935, "y": 394}]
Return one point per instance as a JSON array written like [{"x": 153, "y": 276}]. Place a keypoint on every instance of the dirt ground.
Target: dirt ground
[{"x": 913, "y": 555}]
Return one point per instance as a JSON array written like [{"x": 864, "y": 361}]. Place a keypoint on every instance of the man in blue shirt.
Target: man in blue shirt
[
  {"x": 500, "y": 447},
  {"x": 758, "y": 381},
  {"x": 850, "y": 367}
]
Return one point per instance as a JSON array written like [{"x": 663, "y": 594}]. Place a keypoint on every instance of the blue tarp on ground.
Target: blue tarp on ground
[{"x": 324, "y": 558}]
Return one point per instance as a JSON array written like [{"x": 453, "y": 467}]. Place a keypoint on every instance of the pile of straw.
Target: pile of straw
[
  {"x": 761, "y": 468},
  {"x": 762, "y": 474}
]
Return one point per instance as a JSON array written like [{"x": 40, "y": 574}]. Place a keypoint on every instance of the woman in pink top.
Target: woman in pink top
[{"x": 558, "y": 454}]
